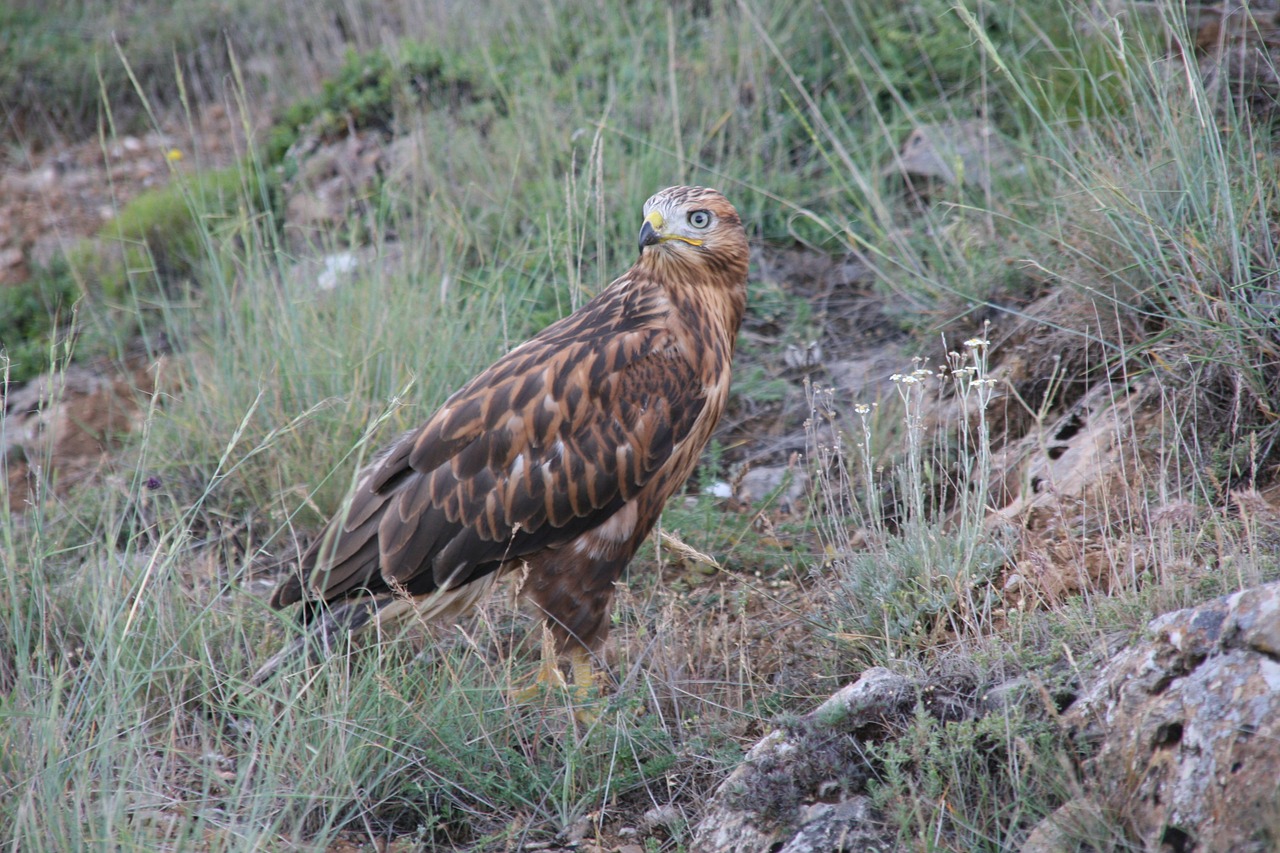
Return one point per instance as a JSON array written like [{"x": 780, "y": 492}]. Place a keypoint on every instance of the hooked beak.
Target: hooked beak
[{"x": 649, "y": 231}]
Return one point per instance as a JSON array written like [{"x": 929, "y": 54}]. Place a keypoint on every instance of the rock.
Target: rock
[
  {"x": 786, "y": 484},
  {"x": 337, "y": 268},
  {"x": 802, "y": 358},
  {"x": 848, "y": 825},
  {"x": 718, "y": 489},
  {"x": 333, "y": 186},
  {"x": 803, "y": 787},
  {"x": 1060, "y": 478},
  {"x": 408, "y": 160},
  {"x": 327, "y": 272},
  {"x": 1185, "y": 728},
  {"x": 1061, "y": 831},
  {"x": 956, "y": 153},
  {"x": 666, "y": 817},
  {"x": 579, "y": 831},
  {"x": 866, "y": 380}
]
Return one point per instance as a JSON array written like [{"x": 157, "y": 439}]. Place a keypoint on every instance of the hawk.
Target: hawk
[{"x": 554, "y": 462}]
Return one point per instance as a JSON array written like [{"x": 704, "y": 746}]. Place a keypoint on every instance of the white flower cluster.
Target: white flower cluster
[{"x": 917, "y": 375}]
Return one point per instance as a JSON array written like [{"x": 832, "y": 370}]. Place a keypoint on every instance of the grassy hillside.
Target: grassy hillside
[{"x": 1110, "y": 257}]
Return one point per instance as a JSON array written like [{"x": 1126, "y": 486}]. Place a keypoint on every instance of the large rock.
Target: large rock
[
  {"x": 956, "y": 153},
  {"x": 802, "y": 788},
  {"x": 1186, "y": 728}
]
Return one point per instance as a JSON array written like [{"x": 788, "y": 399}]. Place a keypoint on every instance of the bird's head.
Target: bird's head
[{"x": 694, "y": 226}]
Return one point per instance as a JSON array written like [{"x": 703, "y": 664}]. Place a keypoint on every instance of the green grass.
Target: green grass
[
  {"x": 64, "y": 59},
  {"x": 127, "y": 721},
  {"x": 33, "y": 312},
  {"x": 131, "y": 609}
]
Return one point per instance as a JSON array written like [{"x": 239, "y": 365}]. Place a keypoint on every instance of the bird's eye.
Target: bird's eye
[{"x": 700, "y": 218}]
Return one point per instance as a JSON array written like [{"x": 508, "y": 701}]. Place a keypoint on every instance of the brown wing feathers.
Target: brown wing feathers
[{"x": 557, "y": 436}]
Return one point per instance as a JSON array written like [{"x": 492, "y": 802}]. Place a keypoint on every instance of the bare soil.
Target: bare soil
[{"x": 51, "y": 198}]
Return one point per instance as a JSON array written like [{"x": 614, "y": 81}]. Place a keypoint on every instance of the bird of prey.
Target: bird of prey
[{"x": 554, "y": 462}]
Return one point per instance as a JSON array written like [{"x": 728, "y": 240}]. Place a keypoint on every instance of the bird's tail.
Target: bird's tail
[
  {"x": 386, "y": 614},
  {"x": 331, "y": 630}
]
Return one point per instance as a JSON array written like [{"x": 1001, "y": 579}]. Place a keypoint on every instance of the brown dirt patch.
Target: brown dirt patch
[{"x": 50, "y": 199}]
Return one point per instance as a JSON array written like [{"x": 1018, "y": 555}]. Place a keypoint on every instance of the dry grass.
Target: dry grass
[{"x": 1103, "y": 450}]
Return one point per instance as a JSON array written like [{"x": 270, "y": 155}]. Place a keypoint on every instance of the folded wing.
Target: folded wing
[{"x": 545, "y": 445}]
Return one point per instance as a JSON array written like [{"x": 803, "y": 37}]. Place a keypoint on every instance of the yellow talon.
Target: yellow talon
[
  {"x": 549, "y": 675},
  {"x": 584, "y": 678}
]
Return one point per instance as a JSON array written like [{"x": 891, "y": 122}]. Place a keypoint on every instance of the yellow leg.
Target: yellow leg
[
  {"x": 584, "y": 675},
  {"x": 549, "y": 674},
  {"x": 584, "y": 678}
]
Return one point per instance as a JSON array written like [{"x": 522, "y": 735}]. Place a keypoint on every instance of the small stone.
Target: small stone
[
  {"x": 580, "y": 830},
  {"x": 955, "y": 152},
  {"x": 804, "y": 357},
  {"x": 662, "y": 817},
  {"x": 336, "y": 267}
]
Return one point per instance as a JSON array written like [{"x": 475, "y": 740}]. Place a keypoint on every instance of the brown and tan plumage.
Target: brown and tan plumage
[{"x": 555, "y": 461}]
